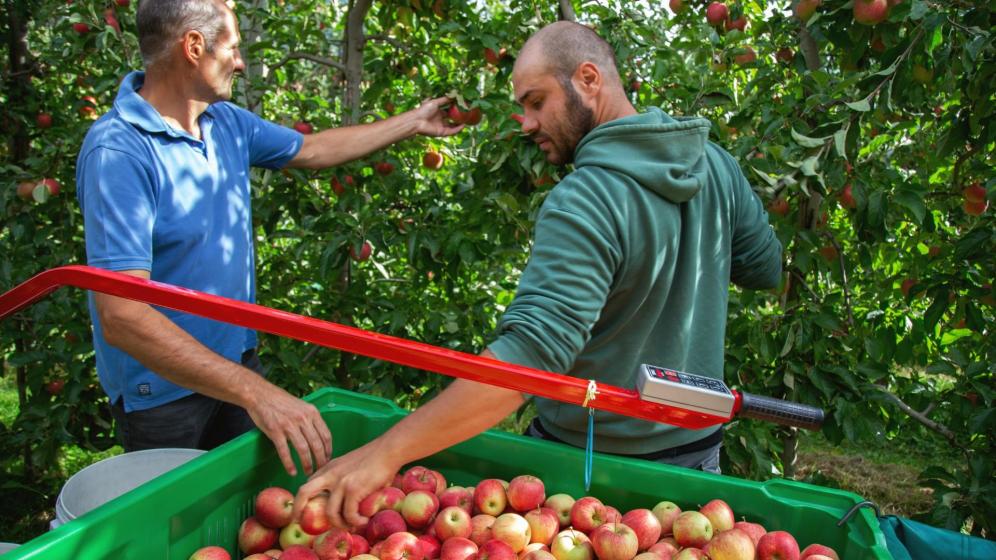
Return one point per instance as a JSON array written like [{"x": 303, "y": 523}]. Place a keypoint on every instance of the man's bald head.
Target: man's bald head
[{"x": 563, "y": 46}]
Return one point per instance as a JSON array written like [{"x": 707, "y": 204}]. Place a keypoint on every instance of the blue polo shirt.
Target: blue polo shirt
[{"x": 155, "y": 198}]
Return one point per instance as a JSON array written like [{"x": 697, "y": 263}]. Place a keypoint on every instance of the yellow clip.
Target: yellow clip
[{"x": 590, "y": 393}]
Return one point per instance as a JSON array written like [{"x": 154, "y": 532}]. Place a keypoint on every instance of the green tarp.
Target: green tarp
[{"x": 911, "y": 540}]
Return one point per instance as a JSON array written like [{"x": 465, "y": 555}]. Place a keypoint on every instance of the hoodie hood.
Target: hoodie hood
[{"x": 664, "y": 154}]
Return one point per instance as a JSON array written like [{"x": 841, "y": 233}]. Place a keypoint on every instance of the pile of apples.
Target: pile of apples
[{"x": 419, "y": 518}]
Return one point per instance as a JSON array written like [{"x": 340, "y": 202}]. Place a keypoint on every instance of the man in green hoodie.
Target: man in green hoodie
[{"x": 631, "y": 263}]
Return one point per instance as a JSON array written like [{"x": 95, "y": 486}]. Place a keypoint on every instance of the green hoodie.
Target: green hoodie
[{"x": 631, "y": 263}]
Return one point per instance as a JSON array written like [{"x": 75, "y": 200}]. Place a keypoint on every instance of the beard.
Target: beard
[{"x": 577, "y": 123}]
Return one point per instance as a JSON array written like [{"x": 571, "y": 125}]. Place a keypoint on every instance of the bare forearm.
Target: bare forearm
[{"x": 336, "y": 146}]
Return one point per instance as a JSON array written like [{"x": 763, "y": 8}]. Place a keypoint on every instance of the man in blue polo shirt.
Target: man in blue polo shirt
[{"x": 163, "y": 182}]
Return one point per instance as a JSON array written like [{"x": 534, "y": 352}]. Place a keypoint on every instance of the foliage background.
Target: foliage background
[{"x": 901, "y": 112}]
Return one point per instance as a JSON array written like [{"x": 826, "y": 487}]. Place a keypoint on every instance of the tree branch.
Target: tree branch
[
  {"x": 566, "y": 10},
  {"x": 313, "y": 58},
  {"x": 843, "y": 278},
  {"x": 389, "y": 40},
  {"x": 921, "y": 418}
]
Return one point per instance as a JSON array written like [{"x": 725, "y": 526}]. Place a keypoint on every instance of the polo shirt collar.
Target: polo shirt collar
[{"x": 134, "y": 109}]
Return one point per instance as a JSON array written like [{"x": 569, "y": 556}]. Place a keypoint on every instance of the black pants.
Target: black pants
[{"x": 193, "y": 422}]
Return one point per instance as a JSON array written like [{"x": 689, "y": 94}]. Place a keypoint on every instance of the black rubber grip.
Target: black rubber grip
[{"x": 787, "y": 413}]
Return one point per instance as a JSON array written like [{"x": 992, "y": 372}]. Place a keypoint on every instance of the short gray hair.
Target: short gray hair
[
  {"x": 160, "y": 22},
  {"x": 566, "y": 45}
]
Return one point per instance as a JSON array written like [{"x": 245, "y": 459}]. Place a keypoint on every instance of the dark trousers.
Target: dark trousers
[{"x": 193, "y": 422}]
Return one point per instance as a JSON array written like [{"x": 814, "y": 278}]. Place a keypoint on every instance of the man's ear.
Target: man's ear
[
  {"x": 588, "y": 78},
  {"x": 194, "y": 46}
]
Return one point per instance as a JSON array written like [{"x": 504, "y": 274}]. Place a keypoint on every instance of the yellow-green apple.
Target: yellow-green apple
[
  {"x": 571, "y": 544},
  {"x": 777, "y": 545},
  {"x": 364, "y": 556},
  {"x": 457, "y": 548},
  {"x": 211, "y": 553},
  {"x": 587, "y": 513},
  {"x": 419, "y": 507},
  {"x": 457, "y": 496},
  {"x": 496, "y": 550},
  {"x": 665, "y": 548},
  {"x": 922, "y": 74},
  {"x": 562, "y": 504},
  {"x": 818, "y": 549},
  {"x": 401, "y": 546},
  {"x": 388, "y": 497},
  {"x": 480, "y": 528},
  {"x": 871, "y": 12},
  {"x": 418, "y": 478},
  {"x": 273, "y": 507},
  {"x": 732, "y": 544},
  {"x": 974, "y": 192},
  {"x": 513, "y": 530},
  {"x": 846, "y": 197},
  {"x": 298, "y": 552},
  {"x": 259, "y": 556},
  {"x": 692, "y": 529},
  {"x": 666, "y": 512},
  {"x": 293, "y": 534},
  {"x": 334, "y": 544},
  {"x": 361, "y": 254},
  {"x": 358, "y": 544},
  {"x": 543, "y": 525},
  {"x": 612, "y": 515},
  {"x": 526, "y": 492},
  {"x": 646, "y": 526},
  {"x": 821, "y": 557},
  {"x": 452, "y": 521},
  {"x": 273, "y": 553},
  {"x": 754, "y": 530},
  {"x": 314, "y": 518},
  {"x": 255, "y": 537},
  {"x": 430, "y": 546},
  {"x": 650, "y": 556},
  {"x": 43, "y": 120},
  {"x": 383, "y": 524},
  {"x": 691, "y": 553},
  {"x": 719, "y": 514},
  {"x": 804, "y": 9},
  {"x": 534, "y": 547},
  {"x": 490, "y": 497},
  {"x": 614, "y": 541},
  {"x": 716, "y": 13},
  {"x": 440, "y": 481}
]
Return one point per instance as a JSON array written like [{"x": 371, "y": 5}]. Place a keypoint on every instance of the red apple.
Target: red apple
[
  {"x": 457, "y": 496},
  {"x": 401, "y": 546},
  {"x": 692, "y": 529},
  {"x": 804, "y": 9},
  {"x": 334, "y": 544},
  {"x": 587, "y": 513},
  {"x": 975, "y": 208},
  {"x": 418, "y": 478},
  {"x": 211, "y": 553},
  {"x": 430, "y": 546},
  {"x": 54, "y": 387},
  {"x": 314, "y": 519},
  {"x": 846, "y": 197},
  {"x": 480, "y": 528},
  {"x": 493, "y": 57},
  {"x": 44, "y": 120},
  {"x": 513, "y": 530},
  {"x": 518, "y": 118},
  {"x": 293, "y": 534},
  {"x": 818, "y": 549},
  {"x": 614, "y": 541},
  {"x": 733, "y": 544},
  {"x": 122, "y": 3},
  {"x": 739, "y": 23},
  {"x": 362, "y": 254},
  {"x": 571, "y": 544},
  {"x": 778, "y": 545},
  {"x": 384, "y": 523},
  {"x": 358, "y": 544},
  {"x": 496, "y": 550},
  {"x": 25, "y": 189},
  {"x": 871, "y": 12},
  {"x": 779, "y": 206},
  {"x": 259, "y": 556},
  {"x": 526, "y": 492},
  {"x": 455, "y": 115},
  {"x": 386, "y": 498},
  {"x": 562, "y": 504},
  {"x": 906, "y": 286},
  {"x": 716, "y": 13},
  {"x": 384, "y": 168},
  {"x": 785, "y": 55},
  {"x": 110, "y": 18},
  {"x": 646, "y": 526},
  {"x": 490, "y": 497},
  {"x": 536, "y": 551},
  {"x": 255, "y": 537},
  {"x": 304, "y": 127},
  {"x": 432, "y": 160},
  {"x": 543, "y": 525},
  {"x": 612, "y": 515},
  {"x": 975, "y": 193},
  {"x": 754, "y": 530},
  {"x": 81, "y": 28},
  {"x": 419, "y": 507},
  {"x": 88, "y": 108},
  {"x": 440, "y": 482},
  {"x": 452, "y": 522},
  {"x": 472, "y": 117},
  {"x": 719, "y": 514},
  {"x": 273, "y": 507},
  {"x": 746, "y": 57},
  {"x": 665, "y": 548},
  {"x": 821, "y": 557},
  {"x": 651, "y": 556},
  {"x": 829, "y": 253},
  {"x": 337, "y": 187},
  {"x": 457, "y": 548},
  {"x": 298, "y": 552},
  {"x": 691, "y": 553},
  {"x": 676, "y": 5}
]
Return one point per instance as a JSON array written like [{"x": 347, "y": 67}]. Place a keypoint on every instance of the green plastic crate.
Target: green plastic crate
[{"x": 204, "y": 501}]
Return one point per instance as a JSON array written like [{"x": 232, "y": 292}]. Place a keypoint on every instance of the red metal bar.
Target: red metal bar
[{"x": 333, "y": 335}]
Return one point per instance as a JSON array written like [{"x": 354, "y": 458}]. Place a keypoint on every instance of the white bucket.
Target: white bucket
[
  {"x": 7, "y": 546},
  {"x": 101, "y": 482}
]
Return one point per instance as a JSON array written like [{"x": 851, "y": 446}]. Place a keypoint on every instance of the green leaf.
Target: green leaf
[
  {"x": 936, "y": 38},
  {"x": 861, "y": 105},
  {"x": 934, "y": 312},
  {"x": 914, "y": 203},
  {"x": 918, "y": 10},
  {"x": 840, "y": 141},
  {"x": 809, "y": 166},
  {"x": 806, "y": 141},
  {"x": 767, "y": 178},
  {"x": 950, "y": 337}
]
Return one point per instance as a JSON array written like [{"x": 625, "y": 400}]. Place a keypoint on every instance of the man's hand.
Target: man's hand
[
  {"x": 431, "y": 118},
  {"x": 283, "y": 417},
  {"x": 348, "y": 479}
]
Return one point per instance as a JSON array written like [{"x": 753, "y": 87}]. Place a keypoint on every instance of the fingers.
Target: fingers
[
  {"x": 303, "y": 448},
  {"x": 284, "y": 453},
  {"x": 307, "y": 490},
  {"x": 334, "y": 509},
  {"x": 351, "y": 510}
]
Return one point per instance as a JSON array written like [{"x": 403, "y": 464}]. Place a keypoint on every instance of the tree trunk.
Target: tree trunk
[
  {"x": 18, "y": 82},
  {"x": 252, "y": 33},
  {"x": 566, "y": 11},
  {"x": 790, "y": 452},
  {"x": 353, "y": 59}
]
